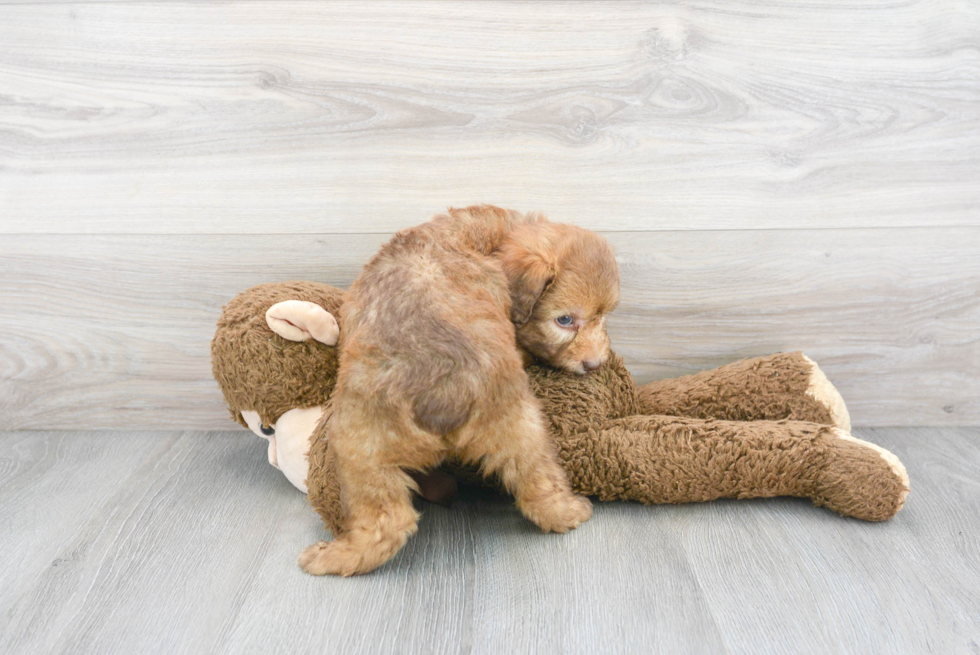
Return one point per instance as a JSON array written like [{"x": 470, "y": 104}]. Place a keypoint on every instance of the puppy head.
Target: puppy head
[{"x": 563, "y": 283}]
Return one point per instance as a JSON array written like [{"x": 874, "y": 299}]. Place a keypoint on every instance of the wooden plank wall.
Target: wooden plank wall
[{"x": 774, "y": 176}]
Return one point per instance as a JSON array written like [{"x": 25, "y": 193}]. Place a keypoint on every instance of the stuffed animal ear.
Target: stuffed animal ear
[
  {"x": 299, "y": 320},
  {"x": 528, "y": 275}
]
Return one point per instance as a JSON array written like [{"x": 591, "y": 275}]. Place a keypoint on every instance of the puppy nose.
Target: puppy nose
[{"x": 591, "y": 364}]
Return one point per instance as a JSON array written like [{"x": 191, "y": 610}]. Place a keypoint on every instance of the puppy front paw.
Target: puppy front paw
[{"x": 559, "y": 513}]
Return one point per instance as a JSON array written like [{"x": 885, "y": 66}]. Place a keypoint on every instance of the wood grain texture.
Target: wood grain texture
[
  {"x": 114, "y": 331},
  {"x": 312, "y": 117},
  {"x": 186, "y": 543}
]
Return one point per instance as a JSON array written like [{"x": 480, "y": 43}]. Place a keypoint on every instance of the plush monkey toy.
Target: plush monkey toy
[
  {"x": 274, "y": 359},
  {"x": 761, "y": 427}
]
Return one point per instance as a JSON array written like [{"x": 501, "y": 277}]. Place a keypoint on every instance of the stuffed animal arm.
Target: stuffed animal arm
[{"x": 673, "y": 459}]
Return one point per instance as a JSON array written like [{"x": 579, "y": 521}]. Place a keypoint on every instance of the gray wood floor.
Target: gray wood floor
[{"x": 185, "y": 543}]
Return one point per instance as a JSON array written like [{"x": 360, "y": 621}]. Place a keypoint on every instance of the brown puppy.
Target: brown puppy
[{"x": 430, "y": 366}]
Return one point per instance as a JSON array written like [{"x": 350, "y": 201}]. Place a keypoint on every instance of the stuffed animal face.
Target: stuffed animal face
[{"x": 289, "y": 439}]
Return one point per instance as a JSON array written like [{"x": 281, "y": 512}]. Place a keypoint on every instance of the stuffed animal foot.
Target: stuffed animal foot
[
  {"x": 861, "y": 479},
  {"x": 825, "y": 394},
  {"x": 775, "y": 387}
]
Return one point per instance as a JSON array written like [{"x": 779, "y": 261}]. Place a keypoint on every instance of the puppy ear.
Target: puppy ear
[
  {"x": 299, "y": 320},
  {"x": 528, "y": 275}
]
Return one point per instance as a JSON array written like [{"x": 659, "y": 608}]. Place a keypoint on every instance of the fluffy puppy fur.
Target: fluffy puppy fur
[{"x": 430, "y": 366}]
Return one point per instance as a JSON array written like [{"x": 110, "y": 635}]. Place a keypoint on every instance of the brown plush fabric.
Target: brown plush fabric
[
  {"x": 668, "y": 459},
  {"x": 611, "y": 452},
  {"x": 665, "y": 459},
  {"x": 854, "y": 483},
  {"x": 772, "y": 388},
  {"x": 575, "y": 401},
  {"x": 259, "y": 370}
]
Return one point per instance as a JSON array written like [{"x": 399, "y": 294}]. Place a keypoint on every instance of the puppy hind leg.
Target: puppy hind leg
[
  {"x": 376, "y": 494},
  {"x": 519, "y": 449},
  {"x": 382, "y": 519}
]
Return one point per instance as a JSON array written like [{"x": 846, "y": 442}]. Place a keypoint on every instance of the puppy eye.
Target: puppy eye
[
  {"x": 564, "y": 321},
  {"x": 267, "y": 430}
]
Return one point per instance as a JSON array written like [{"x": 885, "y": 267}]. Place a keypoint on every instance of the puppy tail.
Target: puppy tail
[{"x": 446, "y": 405}]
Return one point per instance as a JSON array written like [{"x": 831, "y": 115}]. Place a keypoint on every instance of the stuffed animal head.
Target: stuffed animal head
[{"x": 274, "y": 359}]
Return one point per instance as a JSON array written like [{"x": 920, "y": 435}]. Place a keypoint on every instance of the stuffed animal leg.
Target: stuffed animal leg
[
  {"x": 774, "y": 387},
  {"x": 667, "y": 459},
  {"x": 856, "y": 478},
  {"x": 611, "y": 448},
  {"x": 671, "y": 460}
]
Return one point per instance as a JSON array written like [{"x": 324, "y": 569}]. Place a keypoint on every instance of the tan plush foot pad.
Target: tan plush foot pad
[
  {"x": 825, "y": 393},
  {"x": 862, "y": 479}
]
